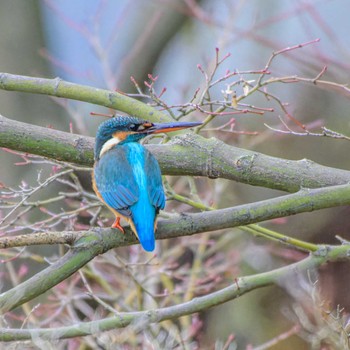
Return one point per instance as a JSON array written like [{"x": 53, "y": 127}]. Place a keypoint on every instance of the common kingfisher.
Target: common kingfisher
[{"x": 127, "y": 177}]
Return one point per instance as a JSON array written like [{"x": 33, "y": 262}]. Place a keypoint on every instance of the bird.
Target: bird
[{"x": 126, "y": 176}]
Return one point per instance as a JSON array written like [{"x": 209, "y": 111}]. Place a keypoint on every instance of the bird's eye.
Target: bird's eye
[{"x": 133, "y": 127}]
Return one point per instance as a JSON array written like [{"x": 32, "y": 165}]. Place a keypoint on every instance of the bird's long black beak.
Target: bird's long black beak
[{"x": 157, "y": 128}]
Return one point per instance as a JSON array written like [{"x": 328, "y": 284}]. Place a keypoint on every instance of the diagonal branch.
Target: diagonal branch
[
  {"x": 60, "y": 88},
  {"x": 241, "y": 286},
  {"x": 97, "y": 241}
]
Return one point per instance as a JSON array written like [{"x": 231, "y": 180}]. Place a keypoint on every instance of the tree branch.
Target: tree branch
[
  {"x": 41, "y": 238},
  {"x": 84, "y": 250},
  {"x": 188, "y": 154},
  {"x": 98, "y": 241},
  {"x": 144, "y": 318},
  {"x": 46, "y": 142},
  {"x": 60, "y": 88},
  {"x": 184, "y": 155}
]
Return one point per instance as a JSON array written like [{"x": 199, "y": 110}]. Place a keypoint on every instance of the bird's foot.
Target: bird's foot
[{"x": 116, "y": 224}]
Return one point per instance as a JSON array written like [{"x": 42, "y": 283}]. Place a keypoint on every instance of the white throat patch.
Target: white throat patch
[{"x": 109, "y": 144}]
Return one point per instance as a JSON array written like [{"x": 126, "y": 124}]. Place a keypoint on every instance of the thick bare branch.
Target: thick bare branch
[
  {"x": 38, "y": 238},
  {"x": 46, "y": 142},
  {"x": 184, "y": 155},
  {"x": 306, "y": 200}
]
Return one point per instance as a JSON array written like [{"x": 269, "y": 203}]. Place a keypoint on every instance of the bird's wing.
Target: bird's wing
[
  {"x": 155, "y": 185},
  {"x": 115, "y": 181}
]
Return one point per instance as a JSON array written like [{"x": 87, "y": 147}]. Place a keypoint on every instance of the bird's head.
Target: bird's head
[{"x": 122, "y": 129}]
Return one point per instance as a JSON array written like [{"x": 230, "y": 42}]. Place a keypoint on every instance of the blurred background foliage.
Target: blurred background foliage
[{"x": 103, "y": 43}]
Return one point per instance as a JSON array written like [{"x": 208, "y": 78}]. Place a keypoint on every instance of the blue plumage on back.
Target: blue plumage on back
[
  {"x": 134, "y": 187},
  {"x": 127, "y": 177},
  {"x": 144, "y": 207}
]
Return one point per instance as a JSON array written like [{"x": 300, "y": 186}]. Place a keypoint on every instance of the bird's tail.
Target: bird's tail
[
  {"x": 143, "y": 225},
  {"x": 146, "y": 238}
]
